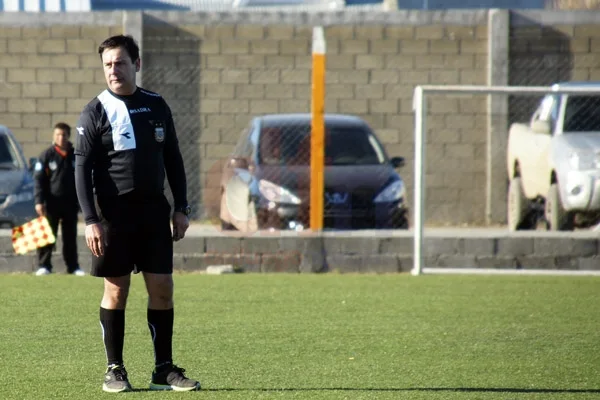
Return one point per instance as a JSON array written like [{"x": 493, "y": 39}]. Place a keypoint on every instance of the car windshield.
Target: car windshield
[
  {"x": 582, "y": 114},
  {"x": 290, "y": 145},
  {"x": 8, "y": 158}
]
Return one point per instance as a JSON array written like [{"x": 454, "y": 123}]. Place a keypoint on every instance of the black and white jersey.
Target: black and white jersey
[{"x": 125, "y": 144}]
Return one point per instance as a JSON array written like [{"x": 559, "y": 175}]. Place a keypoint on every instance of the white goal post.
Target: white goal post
[{"x": 420, "y": 111}]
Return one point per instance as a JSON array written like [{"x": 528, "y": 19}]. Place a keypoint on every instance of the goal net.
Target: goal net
[{"x": 485, "y": 154}]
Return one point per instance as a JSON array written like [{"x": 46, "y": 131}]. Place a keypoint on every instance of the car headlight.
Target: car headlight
[
  {"x": 393, "y": 192},
  {"x": 20, "y": 197},
  {"x": 583, "y": 160},
  {"x": 25, "y": 193},
  {"x": 277, "y": 194}
]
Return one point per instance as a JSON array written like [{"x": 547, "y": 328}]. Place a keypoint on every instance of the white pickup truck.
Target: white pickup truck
[{"x": 553, "y": 162}]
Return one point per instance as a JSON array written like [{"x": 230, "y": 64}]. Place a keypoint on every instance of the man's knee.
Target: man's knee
[
  {"x": 160, "y": 290},
  {"x": 116, "y": 291}
]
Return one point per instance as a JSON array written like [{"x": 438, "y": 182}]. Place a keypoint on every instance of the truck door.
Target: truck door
[{"x": 542, "y": 144}]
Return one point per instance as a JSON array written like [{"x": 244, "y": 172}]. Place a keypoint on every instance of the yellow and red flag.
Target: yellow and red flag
[{"x": 31, "y": 235}]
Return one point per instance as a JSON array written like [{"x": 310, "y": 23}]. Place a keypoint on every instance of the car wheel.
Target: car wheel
[
  {"x": 558, "y": 219},
  {"x": 518, "y": 206}
]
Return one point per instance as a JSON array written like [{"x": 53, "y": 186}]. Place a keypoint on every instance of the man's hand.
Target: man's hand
[
  {"x": 40, "y": 209},
  {"x": 180, "y": 224},
  {"x": 95, "y": 239}
]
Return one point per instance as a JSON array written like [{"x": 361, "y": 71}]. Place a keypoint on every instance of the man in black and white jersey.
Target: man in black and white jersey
[{"x": 126, "y": 144}]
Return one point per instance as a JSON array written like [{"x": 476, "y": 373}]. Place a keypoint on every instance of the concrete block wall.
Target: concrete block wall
[
  {"x": 357, "y": 252},
  {"x": 218, "y": 70},
  {"x": 48, "y": 71}
]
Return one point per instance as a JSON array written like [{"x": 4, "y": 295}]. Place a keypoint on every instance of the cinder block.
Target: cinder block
[
  {"x": 586, "y": 30},
  {"x": 235, "y": 76},
  {"x": 50, "y": 75},
  {"x": 279, "y": 32},
  {"x": 224, "y": 244},
  {"x": 36, "y": 90},
  {"x": 469, "y": 46},
  {"x": 65, "y": 31},
  {"x": 480, "y": 246},
  {"x": 535, "y": 262},
  {"x": 435, "y": 246},
  {"x": 358, "y": 106},
  {"x": 429, "y": 61},
  {"x": 76, "y": 105},
  {"x": 294, "y": 106},
  {"x": 354, "y": 46},
  {"x": 385, "y": 107},
  {"x": 294, "y": 46},
  {"x": 588, "y": 263},
  {"x": 265, "y": 76},
  {"x": 295, "y": 76},
  {"x": 429, "y": 32},
  {"x": 219, "y": 91},
  {"x": 283, "y": 262},
  {"x": 496, "y": 262},
  {"x": 250, "y": 31},
  {"x": 457, "y": 261},
  {"x": 26, "y": 75},
  {"x": 264, "y": 106},
  {"x": 399, "y": 32},
  {"x": 22, "y": 46},
  {"x": 565, "y": 247},
  {"x": 369, "y": 61},
  {"x": 459, "y": 32},
  {"x": 63, "y": 61},
  {"x": 370, "y": 91},
  {"x": 52, "y": 46},
  {"x": 384, "y": 46},
  {"x": 21, "y": 105},
  {"x": 37, "y": 120},
  {"x": 237, "y": 46}
]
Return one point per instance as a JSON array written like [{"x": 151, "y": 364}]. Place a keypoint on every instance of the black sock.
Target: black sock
[
  {"x": 160, "y": 323},
  {"x": 113, "y": 334}
]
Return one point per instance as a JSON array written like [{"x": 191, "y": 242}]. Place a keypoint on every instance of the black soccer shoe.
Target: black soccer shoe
[
  {"x": 115, "y": 380},
  {"x": 171, "y": 377}
]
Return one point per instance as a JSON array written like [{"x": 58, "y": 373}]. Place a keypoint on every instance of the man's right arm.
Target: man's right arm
[{"x": 85, "y": 152}]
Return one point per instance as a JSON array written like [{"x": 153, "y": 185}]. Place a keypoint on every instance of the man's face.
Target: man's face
[
  {"x": 60, "y": 138},
  {"x": 119, "y": 70}
]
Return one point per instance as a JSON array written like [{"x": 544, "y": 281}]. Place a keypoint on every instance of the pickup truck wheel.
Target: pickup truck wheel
[
  {"x": 518, "y": 206},
  {"x": 558, "y": 219}
]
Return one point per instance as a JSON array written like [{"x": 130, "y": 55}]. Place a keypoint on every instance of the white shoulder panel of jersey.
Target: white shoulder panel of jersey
[{"x": 120, "y": 121}]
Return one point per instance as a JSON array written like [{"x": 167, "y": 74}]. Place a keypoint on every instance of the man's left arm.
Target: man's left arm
[{"x": 174, "y": 164}]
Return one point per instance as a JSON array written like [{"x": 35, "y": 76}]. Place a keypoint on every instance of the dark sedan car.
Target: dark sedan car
[{"x": 266, "y": 182}]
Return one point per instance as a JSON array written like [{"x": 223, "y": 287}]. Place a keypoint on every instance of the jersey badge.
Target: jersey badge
[{"x": 159, "y": 132}]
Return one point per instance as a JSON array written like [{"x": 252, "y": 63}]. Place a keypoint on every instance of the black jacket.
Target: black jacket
[{"x": 54, "y": 176}]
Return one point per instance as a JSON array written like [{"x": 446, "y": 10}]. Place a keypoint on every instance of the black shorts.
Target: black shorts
[{"x": 139, "y": 237}]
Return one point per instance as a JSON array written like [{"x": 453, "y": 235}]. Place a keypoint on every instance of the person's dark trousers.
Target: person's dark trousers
[{"x": 67, "y": 217}]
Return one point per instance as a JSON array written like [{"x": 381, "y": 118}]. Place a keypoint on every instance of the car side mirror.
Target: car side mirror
[
  {"x": 239, "y": 162},
  {"x": 539, "y": 126},
  {"x": 397, "y": 162}
]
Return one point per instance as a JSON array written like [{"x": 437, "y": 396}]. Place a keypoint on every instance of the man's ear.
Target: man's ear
[{"x": 138, "y": 65}]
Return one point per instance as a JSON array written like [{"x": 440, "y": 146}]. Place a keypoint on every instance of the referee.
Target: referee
[{"x": 126, "y": 144}]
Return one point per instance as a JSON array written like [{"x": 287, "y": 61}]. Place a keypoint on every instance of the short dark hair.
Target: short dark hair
[
  {"x": 125, "y": 41},
  {"x": 63, "y": 126}
]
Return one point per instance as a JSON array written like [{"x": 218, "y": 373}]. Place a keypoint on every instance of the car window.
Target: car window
[
  {"x": 581, "y": 114},
  {"x": 8, "y": 157},
  {"x": 290, "y": 145}
]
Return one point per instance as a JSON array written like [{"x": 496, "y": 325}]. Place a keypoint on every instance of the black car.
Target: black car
[{"x": 266, "y": 182}]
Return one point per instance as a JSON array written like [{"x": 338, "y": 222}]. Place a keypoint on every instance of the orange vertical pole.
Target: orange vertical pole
[{"x": 317, "y": 142}]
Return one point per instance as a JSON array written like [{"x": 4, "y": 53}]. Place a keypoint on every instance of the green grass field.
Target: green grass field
[{"x": 316, "y": 337}]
